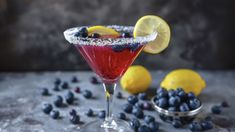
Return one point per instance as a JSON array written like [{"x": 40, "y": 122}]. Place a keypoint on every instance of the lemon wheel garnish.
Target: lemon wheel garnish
[
  {"x": 102, "y": 30},
  {"x": 149, "y": 24}
]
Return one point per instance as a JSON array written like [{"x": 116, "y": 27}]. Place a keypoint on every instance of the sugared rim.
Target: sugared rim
[
  {"x": 176, "y": 114},
  {"x": 69, "y": 35}
]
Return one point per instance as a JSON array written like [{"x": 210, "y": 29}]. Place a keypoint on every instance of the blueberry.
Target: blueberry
[
  {"x": 172, "y": 109},
  {"x": 101, "y": 114},
  {"x": 94, "y": 80},
  {"x": 137, "y": 112},
  {"x": 216, "y": 109},
  {"x": 77, "y": 90},
  {"x": 56, "y": 88},
  {"x": 77, "y": 34},
  {"x": 144, "y": 128},
  {"x": 132, "y": 99},
  {"x": 147, "y": 106},
  {"x": 194, "y": 103},
  {"x": 174, "y": 101},
  {"x": 58, "y": 102},
  {"x": 134, "y": 47},
  {"x": 89, "y": 113},
  {"x": 65, "y": 85},
  {"x": 45, "y": 91},
  {"x": 128, "y": 108},
  {"x": 195, "y": 127},
  {"x": 176, "y": 123},
  {"x": 142, "y": 96},
  {"x": 135, "y": 124},
  {"x": 69, "y": 97},
  {"x": 171, "y": 93},
  {"x": 87, "y": 94},
  {"x": 154, "y": 126},
  {"x": 224, "y": 104},
  {"x": 148, "y": 119},
  {"x": 47, "y": 108},
  {"x": 74, "y": 79},
  {"x": 139, "y": 105},
  {"x": 207, "y": 125},
  {"x": 75, "y": 119},
  {"x": 184, "y": 107},
  {"x": 70, "y": 94},
  {"x": 162, "y": 93},
  {"x": 55, "y": 114},
  {"x": 191, "y": 95},
  {"x": 126, "y": 35},
  {"x": 57, "y": 81},
  {"x": 119, "y": 95},
  {"x": 118, "y": 48},
  {"x": 122, "y": 116},
  {"x": 182, "y": 95},
  {"x": 162, "y": 102},
  {"x": 73, "y": 112},
  {"x": 82, "y": 33},
  {"x": 95, "y": 35}
]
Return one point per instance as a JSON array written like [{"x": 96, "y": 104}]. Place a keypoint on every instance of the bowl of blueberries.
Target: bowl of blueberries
[{"x": 176, "y": 105}]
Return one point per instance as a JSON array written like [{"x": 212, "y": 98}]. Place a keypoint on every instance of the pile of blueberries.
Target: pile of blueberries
[
  {"x": 68, "y": 99},
  {"x": 83, "y": 33}
]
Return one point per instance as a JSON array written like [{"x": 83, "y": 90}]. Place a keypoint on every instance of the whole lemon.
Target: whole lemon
[
  {"x": 136, "y": 79},
  {"x": 187, "y": 79}
]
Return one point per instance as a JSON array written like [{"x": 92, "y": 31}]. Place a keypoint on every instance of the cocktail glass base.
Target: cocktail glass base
[{"x": 115, "y": 125}]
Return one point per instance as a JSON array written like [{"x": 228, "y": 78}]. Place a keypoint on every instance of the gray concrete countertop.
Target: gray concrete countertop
[{"x": 20, "y": 101}]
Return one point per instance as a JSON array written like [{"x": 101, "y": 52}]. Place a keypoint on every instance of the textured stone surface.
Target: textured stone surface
[
  {"x": 20, "y": 101},
  {"x": 31, "y": 32}
]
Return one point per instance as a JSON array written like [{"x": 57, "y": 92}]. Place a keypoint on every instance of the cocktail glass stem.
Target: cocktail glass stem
[{"x": 109, "y": 89}]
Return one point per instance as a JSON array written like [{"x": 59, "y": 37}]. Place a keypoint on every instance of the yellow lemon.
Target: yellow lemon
[
  {"x": 102, "y": 30},
  {"x": 137, "y": 79},
  {"x": 149, "y": 24},
  {"x": 187, "y": 79}
]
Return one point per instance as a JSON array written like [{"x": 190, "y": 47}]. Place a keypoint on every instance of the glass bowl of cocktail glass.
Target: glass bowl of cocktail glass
[{"x": 109, "y": 58}]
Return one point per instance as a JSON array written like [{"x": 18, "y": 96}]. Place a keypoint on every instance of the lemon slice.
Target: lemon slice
[
  {"x": 149, "y": 24},
  {"x": 102, "y": 31}
]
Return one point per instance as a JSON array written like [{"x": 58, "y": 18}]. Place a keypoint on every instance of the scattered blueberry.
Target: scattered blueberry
[
  {"x": 174, "y": 101},
  {"x": 65, "y": 85},
  {"x": 95, "y": 35},
  {"x": 147, "y": 106},
  {"x": 194, "y": 103},
  {"x": 58, "y": 102},
  {"x": 73, "y": 112},
  {"x": 216, "y": 109},
  {"x": 125, "y": 35},
  {"x": 57, "y": 81},
  {"x": 176, "y": 123},
  {"x": 69, "y": 97},
  {"x": 162, "y": 102},
  {"x": 224, "y": 104},
  {"x": 74, "y": 79},
  {"x": 118, "y": 48},
  {"x": 142, "y": 96},
  {"x": 56, "y": 88},
  {"x": 75, "y": 119},
  {"x": 195, "y": 127},
  {"x": 87, "y": 94},
  {"x": 135, "y": 124},
  {"x": 184, "y": 107},
  {"x": 137, "y": 112},
  {"x": 148, "y": 119},
  {"x": 171, "y": 93},
  {"x": 119, "y": 95},
  {"x": 132, "y": 99},
  {"x": 101, "y": 114},
  {"x": 154, "y": 126},
  {"x": 144, "y": 128},
  {"x": 77, "y": 90},
  {"x": 94, "y": 80},
  {"x": 206, "y": 125},
  {"x": 55, "y": 114},
  {"x": 128, "y": 108},
  {"x": 172, "y": 109},
  {"x": 45, "y": 91},
  {"x": 122, "y": 116},
  {"x": 47, "y": 108},
  {"x": 89, "y": 113},
  {"x": 139, "y": 105},
  {"x": 191, "y": 95}
]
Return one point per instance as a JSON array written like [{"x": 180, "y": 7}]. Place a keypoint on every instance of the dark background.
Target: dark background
[{"x": 31, "y": 32}]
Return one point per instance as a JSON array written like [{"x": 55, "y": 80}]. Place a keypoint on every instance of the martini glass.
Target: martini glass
[{"x": 109, "y": 58}]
